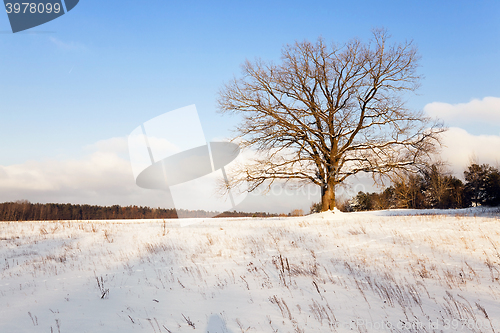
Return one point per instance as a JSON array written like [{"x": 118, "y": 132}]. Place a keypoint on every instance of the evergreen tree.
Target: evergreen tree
[{"x": 482, "y": 185}]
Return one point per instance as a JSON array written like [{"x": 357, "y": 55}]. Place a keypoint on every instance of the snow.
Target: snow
[{"x": 387, "y": 271}]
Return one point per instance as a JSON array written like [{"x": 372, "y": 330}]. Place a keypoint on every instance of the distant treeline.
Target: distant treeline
[
  {"x": 433, "y": 187},
  {"x": 27, "y": 211}
]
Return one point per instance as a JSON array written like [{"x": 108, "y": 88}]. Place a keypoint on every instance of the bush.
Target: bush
[
  {"x": 315, "y": 208},
  {"x": 297, "y": 212}
]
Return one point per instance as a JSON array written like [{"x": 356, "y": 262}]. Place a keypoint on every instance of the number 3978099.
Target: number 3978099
[{"x": 33, "y": 8}]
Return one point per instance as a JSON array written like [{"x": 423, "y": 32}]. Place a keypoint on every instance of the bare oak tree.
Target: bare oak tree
[{"x": 326, "y": 113}]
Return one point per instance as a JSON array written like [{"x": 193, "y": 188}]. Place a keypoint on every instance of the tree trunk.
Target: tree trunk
[{"x": 328, "y": 197}]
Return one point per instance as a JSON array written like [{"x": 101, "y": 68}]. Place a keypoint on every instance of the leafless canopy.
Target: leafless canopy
[{"x": 326, "y": 113}]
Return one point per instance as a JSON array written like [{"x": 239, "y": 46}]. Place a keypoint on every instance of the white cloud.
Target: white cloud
[
  {"x": 68, "y": 46},
  {"x": 104, "y": 177},
  {"x": 474, "y": 132},
  {"x": 460, "y": 147},
  {"x": 476, "y": 112},
  {"x": 113, "y": 145}
]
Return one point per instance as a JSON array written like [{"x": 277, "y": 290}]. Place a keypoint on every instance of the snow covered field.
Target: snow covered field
[{"x": 387, "y": 271}]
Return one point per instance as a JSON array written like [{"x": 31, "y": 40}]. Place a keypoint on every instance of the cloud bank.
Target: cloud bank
[
  {"x": 474, "y": 132},
  {"x": 460, "y": 148},
  {"x": 102, "y": 177},
  {"x": 477, "y": 116}
]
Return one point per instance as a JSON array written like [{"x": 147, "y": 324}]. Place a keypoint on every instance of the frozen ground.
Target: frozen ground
[{"x": 392, "y": 271}]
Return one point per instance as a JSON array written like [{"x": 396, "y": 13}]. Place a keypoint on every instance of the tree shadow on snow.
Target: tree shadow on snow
[{"x": 216, "y": 325}]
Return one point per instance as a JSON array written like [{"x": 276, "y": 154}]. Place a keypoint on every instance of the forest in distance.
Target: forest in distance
[
  {"x": 432, "y": 187},
  {"x": 24, "y": 210}
]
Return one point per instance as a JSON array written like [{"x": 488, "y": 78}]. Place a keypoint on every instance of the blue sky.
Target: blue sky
[{"x": 77, "y": 84}]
